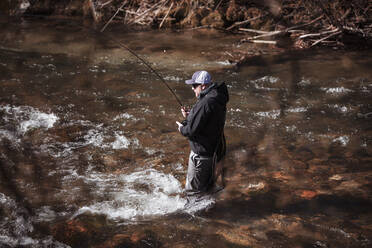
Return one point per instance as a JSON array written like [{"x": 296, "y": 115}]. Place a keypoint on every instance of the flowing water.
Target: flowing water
[{"x": 90, "y": 155}]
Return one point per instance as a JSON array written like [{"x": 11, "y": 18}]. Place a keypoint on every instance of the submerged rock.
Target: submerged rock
[
  {"x": 307, "y": 194},
  {"x": 83, "y": 231},
  {"x": 126, "y": 240},
  {"x": 110, "y": 161}
]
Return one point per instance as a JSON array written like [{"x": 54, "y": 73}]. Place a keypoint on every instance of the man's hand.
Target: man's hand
[
  {"x": 179, "y": 126},
  {"x": 185, "y": 112}
]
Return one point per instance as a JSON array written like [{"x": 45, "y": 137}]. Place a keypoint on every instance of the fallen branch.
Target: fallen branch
[
  {"x": 138, "y": 18},
  {"x": 218, "y": 5},
  {"x": 200, "y": 27},
  {"x": 296, "y": 31},
  {"x": 357, "y": 30},
  {"x": 253, "y": 31},
  {"x": 325, "y": 38},
  {"x": 318, "y": 34},
  {"x": 165, "y": 17},
  {"x": 244, "y": 22},
  {"x": 229, "y": 54},
  {"x": 273, "y": 42},
  {"x": 345, "y": 14},
  {"x": 306, "y": 24},
  {"x": 132, "y": 12},
  {"x": 273, "y": 33},
  {"x": 93, "y": 10},
  {"x": 10, "y": 49},
  {"x": 112, "y": 18},
  {"x": 267, "y": 34},
  {"x": 104, "y": 4}
]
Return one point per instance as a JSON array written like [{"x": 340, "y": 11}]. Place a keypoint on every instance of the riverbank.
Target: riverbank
[{"x": 270, "y": 26}]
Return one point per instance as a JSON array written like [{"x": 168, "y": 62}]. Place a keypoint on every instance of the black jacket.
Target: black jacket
[{"x": 205, "y": 122}]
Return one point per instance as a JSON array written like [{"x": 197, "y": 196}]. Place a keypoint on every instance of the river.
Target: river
[{"x": 90, "y": 155}]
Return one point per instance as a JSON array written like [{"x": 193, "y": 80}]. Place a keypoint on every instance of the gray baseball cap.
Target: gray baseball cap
[{"x": 199, "y": 77}]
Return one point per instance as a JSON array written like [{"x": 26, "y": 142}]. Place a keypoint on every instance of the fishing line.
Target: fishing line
[{"x": 121, "y": 44}]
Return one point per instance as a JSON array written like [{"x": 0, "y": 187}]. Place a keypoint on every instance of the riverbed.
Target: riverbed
[{"x": 91, "y": 155}]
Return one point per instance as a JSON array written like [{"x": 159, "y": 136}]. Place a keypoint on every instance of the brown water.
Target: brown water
[{"x": 90, "y": 155}]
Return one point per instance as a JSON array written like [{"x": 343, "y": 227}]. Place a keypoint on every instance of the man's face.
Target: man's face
[{"x": 197, "y": 88}]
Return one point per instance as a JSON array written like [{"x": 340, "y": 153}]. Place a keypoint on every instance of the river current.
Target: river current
[{"x": 90, "y": 155}]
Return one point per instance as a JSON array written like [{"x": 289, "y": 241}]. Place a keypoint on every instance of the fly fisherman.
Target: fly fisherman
[{"x": 203, "y": 127}]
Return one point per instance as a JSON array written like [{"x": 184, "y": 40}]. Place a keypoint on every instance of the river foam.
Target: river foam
[
  {"x": 143, "y": 194},
  {"x": 26, "y": 118},
  {"x": 335, "y": 91},
  {"x": 16, "y": 227}
]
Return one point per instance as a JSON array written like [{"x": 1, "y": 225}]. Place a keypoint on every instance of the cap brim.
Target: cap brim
[{"x": 190, "y": 81}]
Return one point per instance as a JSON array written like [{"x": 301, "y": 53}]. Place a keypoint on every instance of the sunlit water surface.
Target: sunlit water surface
[{"x": 90, "y": 155}]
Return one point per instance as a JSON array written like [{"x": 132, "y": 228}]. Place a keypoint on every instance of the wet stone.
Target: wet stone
[
  {"x": 119, "y": 240},
  {"x": 348, "y": 186},
  {"x": 110, "y": 161},
  {"x": 307, "y": 194},
  {"x": 304, "y": 154},
  {"x": 72, "y": 232},
  {"x": 336, "y": 177},
  {"x": 84, "y": 231},
  {"x": 237, "y": 237},
  {"x": 298, "y": 165}
]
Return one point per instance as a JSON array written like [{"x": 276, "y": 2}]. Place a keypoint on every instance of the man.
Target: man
[{"x": 203, "y": 127}]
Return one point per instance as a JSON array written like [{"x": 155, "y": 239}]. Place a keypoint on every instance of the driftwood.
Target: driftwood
[
  {"x": 253, "y": 31},
  {"x": 273, "y": 33},
  {"x": 318, "y": 34},
  {"x": 264, "y": 34},
  {"x": 325, "y": 38},
  {"x": 273, "y": 42},
  {"x": 358, "y": 31}
]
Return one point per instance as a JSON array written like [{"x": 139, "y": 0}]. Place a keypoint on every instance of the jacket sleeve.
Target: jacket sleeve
[{"x": 196, "y": 121}]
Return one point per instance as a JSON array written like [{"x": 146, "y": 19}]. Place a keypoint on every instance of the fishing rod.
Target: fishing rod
[{"x": 121, "y": 44}]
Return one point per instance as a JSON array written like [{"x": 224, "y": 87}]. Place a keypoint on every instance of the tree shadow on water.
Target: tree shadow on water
[
  {"x": 265, "y": 204},
  {"x": 7, "y": 171}
]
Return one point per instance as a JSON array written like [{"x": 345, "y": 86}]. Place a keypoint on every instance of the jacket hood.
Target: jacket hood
[{"x": 217, "y": 91}]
